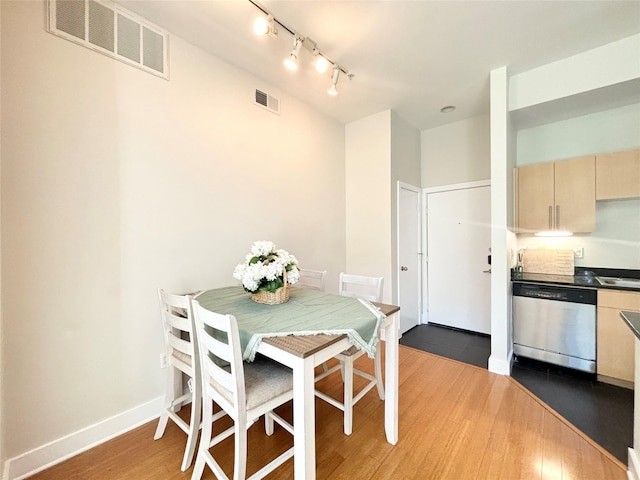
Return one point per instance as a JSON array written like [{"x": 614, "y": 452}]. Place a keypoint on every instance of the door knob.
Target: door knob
[{"x": 404, "y": 269}]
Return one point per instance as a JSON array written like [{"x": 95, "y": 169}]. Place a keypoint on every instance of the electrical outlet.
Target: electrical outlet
[
  {"x": 163, "y": 360},
  {"x": 578, "y": 252}
]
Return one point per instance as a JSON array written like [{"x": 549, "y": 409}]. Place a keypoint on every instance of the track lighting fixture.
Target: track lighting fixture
[
  {"x": 292, "y": 61},
  {"x": 267, "y": 24},
  {"x": 334, "y": 81}
]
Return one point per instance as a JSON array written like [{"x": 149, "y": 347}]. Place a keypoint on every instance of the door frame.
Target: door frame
[
  {"x": 417, "y": 190},
  {"x": 425, "y": 257}
]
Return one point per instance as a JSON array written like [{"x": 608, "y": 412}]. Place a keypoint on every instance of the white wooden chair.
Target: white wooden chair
[
  {"x": 182, "y": 358},
  {"x": 367, "y": 288},
  {"x": 244, "y": 391},
  {"x": 312, "y": 279}
]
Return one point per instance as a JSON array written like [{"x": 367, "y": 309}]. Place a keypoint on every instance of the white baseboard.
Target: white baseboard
[
  {"x": 634, "y": 466},
  {"x": 45, "y": 456},
  {"x": 500, "y": 365}
]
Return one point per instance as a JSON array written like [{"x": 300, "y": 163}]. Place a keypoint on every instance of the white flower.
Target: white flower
[
  {"x": 293, "y": 275},
  {"x": 250, "y": 284},
  {"x": 286, "y": 258},
  {"x": 272, "y": 271},
  {"x": 262, "y": 248},
  {"x": 239, "y": 271}
]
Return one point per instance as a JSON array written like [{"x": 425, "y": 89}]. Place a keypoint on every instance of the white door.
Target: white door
[
  {"x": 458, "y": 244},
  {"x": 408, "y": 256}
]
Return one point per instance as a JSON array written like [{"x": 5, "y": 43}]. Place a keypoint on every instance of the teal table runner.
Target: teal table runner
[{"x": 308, "y": 312}]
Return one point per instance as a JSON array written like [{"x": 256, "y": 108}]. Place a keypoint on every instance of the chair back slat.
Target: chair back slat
[
  {"x": 175, "y": 320},
  {"x": 219, "y": 377},
  {"x": 208, "y": 324},
  {"x": 218, "y": 348},
  {"x": 180, "y": 344},
  {"x": 361, "y": 286},
  {"x": 312, "y": 279}
]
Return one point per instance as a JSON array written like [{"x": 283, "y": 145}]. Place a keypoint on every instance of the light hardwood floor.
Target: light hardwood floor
[{"x": 457, "y": 422}]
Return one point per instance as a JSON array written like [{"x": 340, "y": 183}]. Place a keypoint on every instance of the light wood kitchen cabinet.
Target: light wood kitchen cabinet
[
  {"x": 615, "y": 340},
  {"x": 557, "y": 196},
  {"x": 618, "y": 175}
]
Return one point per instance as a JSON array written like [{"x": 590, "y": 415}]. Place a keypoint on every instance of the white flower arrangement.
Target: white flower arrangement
[{"x": 264, "y": 268}]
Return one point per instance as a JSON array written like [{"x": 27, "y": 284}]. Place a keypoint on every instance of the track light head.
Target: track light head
[
  {"x": 333, "y": 90},
  {"x": 322, "y": 64},
  {"x": 265, "y": 26},
  {"x": 292, "y": 61}
]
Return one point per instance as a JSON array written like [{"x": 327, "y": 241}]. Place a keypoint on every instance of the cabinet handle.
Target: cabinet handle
[
  {"x": 557, "y": 217},
  {"x": 550, "y": 217}
]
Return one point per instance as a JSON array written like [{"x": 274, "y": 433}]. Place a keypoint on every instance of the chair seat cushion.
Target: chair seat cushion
[
  {"x": 353, "y": 350},
  {"x": 264, "y": 379}
]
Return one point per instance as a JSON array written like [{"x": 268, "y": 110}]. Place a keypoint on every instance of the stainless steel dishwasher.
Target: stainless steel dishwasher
[{"x": 555, "y": 324}]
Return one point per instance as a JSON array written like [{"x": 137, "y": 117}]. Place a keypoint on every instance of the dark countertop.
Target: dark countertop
[
  {"x": 583, "y": 277},
  {"x": 633, "y": 320}
]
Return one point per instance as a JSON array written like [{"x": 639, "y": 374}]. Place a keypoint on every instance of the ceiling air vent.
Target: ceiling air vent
[
  {"x": 267, "y": 101},
  {"x": 111, "y": 31}
]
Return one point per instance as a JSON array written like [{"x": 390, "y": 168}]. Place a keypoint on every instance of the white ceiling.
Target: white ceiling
[{"x": 413, "y": 57}]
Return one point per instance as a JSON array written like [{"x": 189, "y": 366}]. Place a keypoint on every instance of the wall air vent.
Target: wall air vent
[
  {"x": 111, "y": 31},
  {"x": 267, "y": 101}
]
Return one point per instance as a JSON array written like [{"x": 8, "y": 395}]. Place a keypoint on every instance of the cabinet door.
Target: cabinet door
[
  {"x": 535, "y": 197},
  {"x": 618, "y": 175},
  {"x": 615, "y": 357},
  {"x": 575, "y": 195}
]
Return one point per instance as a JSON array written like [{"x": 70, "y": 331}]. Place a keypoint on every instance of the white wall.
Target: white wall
[
  {"x": 115, "y": 183},
  {"x": 380, "y": 150},
  {"x": 615, "y": 243},
  {"x": 405, "y": 151},
  {"x": 368, "y": 198},
  {"x": 598, "y": 68},
  {"x": 456, "y": 153},
  {"x": 405, "y": 167},
  {"x": 607, "y": 131}
]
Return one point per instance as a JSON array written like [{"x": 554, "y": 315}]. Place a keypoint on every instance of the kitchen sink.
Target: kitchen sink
[{"x": 619, "y": 282}]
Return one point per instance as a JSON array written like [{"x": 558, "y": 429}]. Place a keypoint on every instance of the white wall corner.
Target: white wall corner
[
  {"x": 500, "y": 281},
  {"x": 2, "y": 443},
  {"x": 634, "y": 465},
  {"x": 45, "y": 456}
]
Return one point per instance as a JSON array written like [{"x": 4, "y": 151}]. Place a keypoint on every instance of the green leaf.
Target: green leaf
[{"x": 271, "y": 285}]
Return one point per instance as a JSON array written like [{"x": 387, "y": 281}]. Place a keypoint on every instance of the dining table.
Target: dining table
[{"x": 309, "y": 329}]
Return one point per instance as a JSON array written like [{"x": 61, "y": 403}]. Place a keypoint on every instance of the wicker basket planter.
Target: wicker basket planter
[{"x": 281, "y": 295}]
